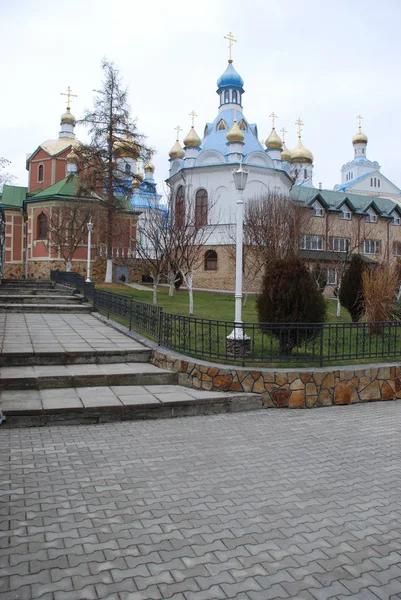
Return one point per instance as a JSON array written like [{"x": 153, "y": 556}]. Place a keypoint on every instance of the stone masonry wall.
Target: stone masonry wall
[{"x": 293, "y": 388}]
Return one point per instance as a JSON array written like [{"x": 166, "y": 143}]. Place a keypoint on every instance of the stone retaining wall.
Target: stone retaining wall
[{"x": 293, "y": 388}]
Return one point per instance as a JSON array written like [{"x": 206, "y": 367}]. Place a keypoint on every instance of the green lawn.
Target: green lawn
[{"x": 206, "y": 304}]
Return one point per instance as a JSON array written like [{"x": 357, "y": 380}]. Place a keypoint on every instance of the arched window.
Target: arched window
[
  {"x": 127, "y": 168},
  {"x": 210, "y": 260},
  {"x": 41, "y": 173},
  {"x": 226, "y": 97},
  {"x": 242, "y": 125},
  {"x": 42, "y": 226},
  {"x": 305, "y": 174},
  {"x": 235, "y": 96},
  {"x": 179, "y": 207},
  {"x": 201, "y": 208},
  {"x": 221, "y": 125}
]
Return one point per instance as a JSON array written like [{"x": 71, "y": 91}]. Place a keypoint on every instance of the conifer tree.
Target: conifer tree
[
  {"x": 113, "y": 134},
  {"x": 290, "y": 295},
  {"x": 351, "y": 289}
]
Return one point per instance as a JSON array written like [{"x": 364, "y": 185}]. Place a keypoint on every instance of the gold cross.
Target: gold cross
[
  {"x": 231, "y": 41},
  {"x": 283, "y": 132},
  {"x": 69, "y": 96},
  {"x": 359, "y": 117},
  {"x": 178, "y": 129},
  {"x": 299, "y": 123},
  {"x": 193, "y": 115},
  {"x": 274, "y": 117}
]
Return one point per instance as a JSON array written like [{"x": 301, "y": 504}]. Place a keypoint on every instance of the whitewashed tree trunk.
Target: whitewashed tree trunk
[
  {"x": 155, "y": 284},
  {"x": 245, "y": 298},
  {"x": 68, "y": 266},
  {"x": 188, "y": 280},
  {"x": 171, "y": 280},
  {"x": 338, "y": 307},
  {"x": 109, "y": 271}
]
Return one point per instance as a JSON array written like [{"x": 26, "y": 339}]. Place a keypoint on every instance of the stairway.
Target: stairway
[
  {"x": 20, "y": 295},
  {"x": 73, "y": 368}
]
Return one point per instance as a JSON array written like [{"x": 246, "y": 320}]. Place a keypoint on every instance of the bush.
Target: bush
[
  {"x": 290, "y": 295},
  {"x": 178, "y": 280},
  {"x": 319, "y": 276},
  {"x": 380, "y": 287},
  {"x": 351, "y": 289}
]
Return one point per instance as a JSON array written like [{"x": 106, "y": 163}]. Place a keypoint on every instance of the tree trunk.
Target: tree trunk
[
  {"x": 245, "y": 299},
  {"x": 155, "y": 284},
  {"x": 338, "y": 307},
  {"x": 109, "y": 271},
  {"x": 188, "y": 280},
  {"x": 171, "y": 280},
  {"x": 68, "y": 266}
]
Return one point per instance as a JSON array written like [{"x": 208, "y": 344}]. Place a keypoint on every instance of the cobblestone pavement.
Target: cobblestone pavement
[
  {"x": 269, "y": 504},
  {"x": 52, "y": 332}
]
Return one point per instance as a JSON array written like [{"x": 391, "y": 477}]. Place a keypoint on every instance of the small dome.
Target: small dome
[
  {"x": 72, "y": 157},
  {"x": 192, "y": 140},
  {"x": 176, "y": 151},
  {"x": 230, "y": 78},
  {"x": 360, "y": 138},
  {"x": 136, "y": 183},
  {"x": 285, "y": 154},
  {"x": 67, "y": 117},
  {"x": 149, "y": 167},
  {"x": 235, "y": 134},
  {"x": 274, "y": 141},
  {"x": 301, "y": 154}
]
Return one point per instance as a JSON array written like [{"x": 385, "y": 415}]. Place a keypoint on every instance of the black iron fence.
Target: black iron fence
[{"x": 250, "y": 343}]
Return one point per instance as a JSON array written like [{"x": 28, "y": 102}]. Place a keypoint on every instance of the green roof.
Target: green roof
[
  {"x": 323, "y": 255},
  {"x": 333, "y": 200},
  {"x": 66, "y": 188},
  {"x": 13, "y": 195}
]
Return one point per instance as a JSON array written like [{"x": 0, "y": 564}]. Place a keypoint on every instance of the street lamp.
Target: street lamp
[
  {"x": 238, "y": 341},
  {"x": 88, "y": 265}
]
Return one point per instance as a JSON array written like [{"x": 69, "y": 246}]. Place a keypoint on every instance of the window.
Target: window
[
  {"x": 305, "y": 174},
  {"x": 311, "y": 242},
  {"x": 234, "y": 97},
  {"x": 41, "y": 173},
  {"x": 210, "y": 260},
  {"x": 42, "y": 226},
  {"x": 340, "y": 244},
  {"x": 378, "y": 183},
  {"x": 127, "y": 168},
  {"x": 221, "y": 125},
  {"x": 345, "y": 214},
  {"x": 331, "y": 276},
  {"x": 397, "y": 248},
  {"x": 371, "y": 216},
  {"x": 201, "y": 208},
  {"x": 180, "y": 206},
  {"x": 226, "y": 97},
  {"x": 206, "y": 132},
  {"x": 318, "y": 210},
  {"x": 371, "y": 246},
  {"x": 371, "y": 182},
  {"x": 242, "y": 125},
  {"x": 396, "y": 219}
]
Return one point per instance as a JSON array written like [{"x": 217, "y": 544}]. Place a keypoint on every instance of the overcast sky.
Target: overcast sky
[{"x": 324, "y": 61}]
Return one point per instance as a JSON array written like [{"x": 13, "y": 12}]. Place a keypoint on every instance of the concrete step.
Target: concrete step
[
  {"x": 39, "y": 299},
  {"x": 17, "y": 291},
  {"x": 73, "y": 357},
  {"x": 48, "y": 308},
  {"x": 25, "y": 283},
  {"x": 84, "y": 375},
  {"x": 102, "y": 404}
]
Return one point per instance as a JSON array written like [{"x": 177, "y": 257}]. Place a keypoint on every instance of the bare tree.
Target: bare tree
[
  {"x": 68, "y": 228},
  {"x": 5, "y": 177},
  {"x": 115, "y": 141}
]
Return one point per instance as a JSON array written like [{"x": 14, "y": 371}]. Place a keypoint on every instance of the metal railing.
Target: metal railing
[{"x": 258, "y": 344}]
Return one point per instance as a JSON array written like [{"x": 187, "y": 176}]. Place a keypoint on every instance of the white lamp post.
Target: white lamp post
[
  {"x": 237, "y": 338},
  {"x": 88, "y": 265}
]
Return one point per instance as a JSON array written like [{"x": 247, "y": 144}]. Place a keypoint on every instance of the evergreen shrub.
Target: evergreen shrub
[{"x": 351, "y": 289}]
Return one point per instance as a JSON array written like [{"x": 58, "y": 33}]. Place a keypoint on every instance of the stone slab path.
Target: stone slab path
[{"x": 254, "y": 506}]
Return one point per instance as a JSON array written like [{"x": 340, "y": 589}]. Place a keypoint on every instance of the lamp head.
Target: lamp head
[{"x": 240, "y": 179}]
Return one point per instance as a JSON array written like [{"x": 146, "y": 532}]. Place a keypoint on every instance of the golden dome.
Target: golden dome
[
  {"x": 285, "y": 154},
  {"x": 72, "y": 157},
  {"x": 54, "y": 147},
  {"x": 274, "y": 141},
  {"x": 235, "y": 134},
  {"x": 67, "y": 117},
  {"x": 136, "y": 183},
  {"x": 301, "y": 154},
  {"x": 192, "y": 140},
  {"x": 176, "y": 151},
  {"x": 149, "y": 167},
  {"x": 360, "y": 138}
]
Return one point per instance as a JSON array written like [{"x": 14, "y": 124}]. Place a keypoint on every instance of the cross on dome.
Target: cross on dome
[
  {"x": 359, "y": 117},
  {"x": 283, "y": 132},
  {"x": 69, "y": 95},
  {"x": 178, "y": 129},
  {"x": 231, "y": 41},
  {"x": 299, "y": 123},
  {"x": 193, "y": 115},
  {"x": 273, "y": 118}
]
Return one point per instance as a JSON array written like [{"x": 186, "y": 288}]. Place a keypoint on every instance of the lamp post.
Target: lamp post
[
  {"x": 88, "y": 265},
  {"x": 237, "y": 341}
]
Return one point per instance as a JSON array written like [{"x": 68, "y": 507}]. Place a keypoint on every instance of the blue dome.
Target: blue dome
[{"x": 230, "y": 78}]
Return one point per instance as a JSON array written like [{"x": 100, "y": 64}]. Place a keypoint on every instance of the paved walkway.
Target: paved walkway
[{"x": 269, "y": 504}]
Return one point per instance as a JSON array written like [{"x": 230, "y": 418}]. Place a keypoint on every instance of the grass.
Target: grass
[{"x": 208, "y": 305}]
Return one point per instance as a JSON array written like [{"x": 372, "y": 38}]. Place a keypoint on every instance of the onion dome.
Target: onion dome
[
  {"x": 301, "y": 154},
  {"x": 176, "y": 151},
  {"x": 149, "y": 167},
  {"x": 192, "y": 140},
  {"x": 285, "y": 154},
  {"x": 274, "y": 141},
  {"x": 235, "y": 134},
  {"x": 360, "y": 138},
  {"x": 135, "y": 183},
  {"x": 230, "y": 78},
  {"x": 67, "y": 117},
  {"x": 72, "y": 157}
]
